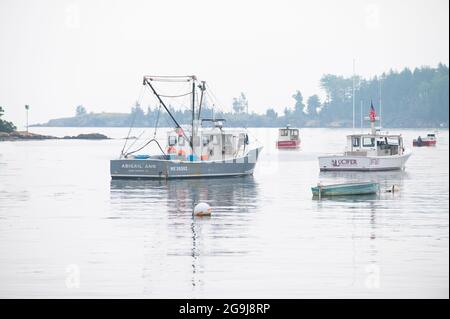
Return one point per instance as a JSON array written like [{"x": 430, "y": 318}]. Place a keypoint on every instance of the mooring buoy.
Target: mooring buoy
[{"x": 202, "y": 209}]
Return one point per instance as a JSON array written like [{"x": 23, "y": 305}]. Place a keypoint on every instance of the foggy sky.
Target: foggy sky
[{"x": 58, "y": 54}]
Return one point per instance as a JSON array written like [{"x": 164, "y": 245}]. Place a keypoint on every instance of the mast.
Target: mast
[
  {"x": 193, "y": 114},
  {"x": 353, "y": 93},
  {"x": 202, "y": 89},
  {"x": 361, "y": 114},
  {"x": 381, "y": 123}
]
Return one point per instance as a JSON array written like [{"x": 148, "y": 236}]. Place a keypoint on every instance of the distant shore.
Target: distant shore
[{"x": 27, "y": 136}]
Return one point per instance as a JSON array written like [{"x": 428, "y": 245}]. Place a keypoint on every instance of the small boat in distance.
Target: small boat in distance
[
  {"x": 288, "y": 138},
  {"x": 429, "y": 140},
  {"x": 368, "y": 152},
  {"x": 346, "y": 189},
  {"x": 200, "y": 150}
]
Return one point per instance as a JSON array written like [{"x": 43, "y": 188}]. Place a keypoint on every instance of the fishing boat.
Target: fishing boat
[
  {"x": 429, "y": 140},
  {"x": 204, "y": 149},
  {"x": 288, "y": 138},
  {"x": 373, "y": 151},
  {"x": 346, "y": 189}
]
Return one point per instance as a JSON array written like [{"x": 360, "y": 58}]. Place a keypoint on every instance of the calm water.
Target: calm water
[{"x": 67, "y": 230}]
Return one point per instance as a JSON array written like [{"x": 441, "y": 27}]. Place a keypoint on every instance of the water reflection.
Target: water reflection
[
  {"x": 187, "y": 237},
  {"x": 354, "y": 176},
  {"x": 236, "y": 194}
]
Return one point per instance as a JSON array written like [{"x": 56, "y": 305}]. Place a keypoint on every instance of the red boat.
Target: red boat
[
  {"x": 429, "y": 140},
  {"x": 288, "y": 138}
]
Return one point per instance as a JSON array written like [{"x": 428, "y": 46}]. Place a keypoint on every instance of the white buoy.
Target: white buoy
[{"x": 202, "y": 209}]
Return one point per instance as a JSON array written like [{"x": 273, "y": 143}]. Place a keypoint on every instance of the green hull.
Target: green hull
[{"x": 346, "y": 189}]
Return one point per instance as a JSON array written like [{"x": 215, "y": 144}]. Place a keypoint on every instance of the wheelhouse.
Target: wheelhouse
[
  {"x": 374, "y": 145},
  {"x": 288, "y": 134},
  {"x": 210, "y": 143}
]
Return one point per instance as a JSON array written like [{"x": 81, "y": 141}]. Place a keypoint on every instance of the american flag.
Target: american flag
[{"x": 372, "y": 113}]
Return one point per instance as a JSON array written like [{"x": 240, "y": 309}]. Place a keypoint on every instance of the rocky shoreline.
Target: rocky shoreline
[{"x": 27, "y": 136}]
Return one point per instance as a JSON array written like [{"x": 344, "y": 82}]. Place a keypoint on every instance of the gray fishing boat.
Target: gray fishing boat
[{"x": 205, "y": 149}]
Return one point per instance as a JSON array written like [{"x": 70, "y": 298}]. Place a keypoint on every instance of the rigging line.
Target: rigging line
[
  {"x": 134, "y": 142},
  {"x": 154, "y": 134},
  {"x": 152, "y": 140},
  {"x": 132, "y": 121},
  {"x": 167, "y": 110},
  {"x": 210, "y": 90},
  {"x": 159, "y": 79},
  {"x": 157, "y": 121},
  {"x": 214, "y": 105},
  {"x": 155, "y": 77},
  {"x": 173, "y": 96}
]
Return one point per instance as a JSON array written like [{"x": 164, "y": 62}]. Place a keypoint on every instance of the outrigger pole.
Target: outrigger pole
[
  {"x": 165, "y": 107},
  {"x": 202, "y": 89}
]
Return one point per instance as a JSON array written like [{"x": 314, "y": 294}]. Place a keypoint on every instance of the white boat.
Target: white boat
[
  {"x": 374, "y": 151},
  {"x": 288, "y": 138}
]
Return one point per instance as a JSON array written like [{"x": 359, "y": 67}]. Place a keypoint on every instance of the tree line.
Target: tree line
[{"x": 409, "y": 98}]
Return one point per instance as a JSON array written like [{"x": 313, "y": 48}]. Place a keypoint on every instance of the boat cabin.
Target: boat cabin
[
  {"x": 288, "y": 134},
  {"x": 374, "y": 145},
  {"x": 209, "y": 144}
]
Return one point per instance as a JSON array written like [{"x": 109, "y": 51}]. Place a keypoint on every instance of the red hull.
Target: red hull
[
  {"x": 424, "y": 143},
  {"x": 288, "y": 144}
]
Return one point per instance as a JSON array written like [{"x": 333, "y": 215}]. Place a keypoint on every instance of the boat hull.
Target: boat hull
[
  {"x": 167, "y": 169},
  {"x": 363, "y": 163},
  {"x": 424, "y": 143},
  {"x": 346, "y": 189},
  {"x": 288, "y": 144}
]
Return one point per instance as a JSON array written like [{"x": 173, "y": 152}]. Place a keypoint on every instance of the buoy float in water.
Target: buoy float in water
[
  {"x": 202, "y": 209},
  {"x": 393, "y": 189}
]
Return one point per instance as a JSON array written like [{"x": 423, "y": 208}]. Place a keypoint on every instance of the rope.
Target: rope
[
  {"x": 173, "y": 96},
  {"x": 157, "y": 121},
  {"x": 134, "y": 142},
  {"x": 152, "y": 140}
]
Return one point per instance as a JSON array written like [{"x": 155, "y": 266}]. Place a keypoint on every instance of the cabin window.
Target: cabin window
[
  {"x": 392, "y": 141},
  {"x": 294, "y": 132},
  {"x": 181, "y": 140},
  {"x": 355, "y": 142},
  {"x": 284, "y": 132},
  {"x": 172, "y": 140},
  {"x": 368, "y": 142},
  {"x": 205, "y": 140},
  {"x": 214, "y": 139}
]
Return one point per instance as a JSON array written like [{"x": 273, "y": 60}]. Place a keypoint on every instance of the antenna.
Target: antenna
[
  {"x": 381, "y": 117},
  {"x": 361, "y": 114}
]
